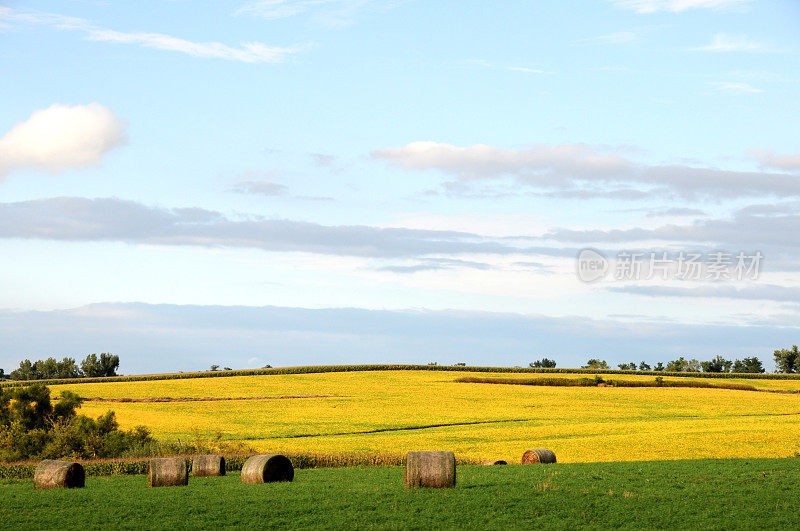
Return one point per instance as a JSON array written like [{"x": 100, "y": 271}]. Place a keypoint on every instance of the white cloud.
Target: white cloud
[
  {"x": 769, "y": 159},
  {"x": 328, "y": 12},
  {"x": 677, "y": 6},
  {"x": 537, "y": 163},
  {"x": 526, "y": 70},
  {"x": 247, "y": 52},
  {"x": 61, "y": 137},
  {"x": 618, "y": 37},
  {"x": 735, "y": 87},
  {"x": 577, "y": 168},
  {"x": 731, "y": 43}
]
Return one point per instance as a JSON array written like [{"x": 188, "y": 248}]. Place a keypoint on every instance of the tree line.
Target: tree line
[
  {"x": 787, "y": 361},
  {"x": 93, "y": 366}
]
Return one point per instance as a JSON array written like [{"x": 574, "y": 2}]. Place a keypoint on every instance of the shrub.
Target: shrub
[{"x": 31, "y": 427}]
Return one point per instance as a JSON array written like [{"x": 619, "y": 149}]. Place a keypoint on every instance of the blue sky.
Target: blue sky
[{"x": 386, "y": 159}]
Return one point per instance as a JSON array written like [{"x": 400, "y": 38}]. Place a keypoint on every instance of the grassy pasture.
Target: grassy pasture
[
  {"x": 700, "y": 494},
  {"x": 396, "y": 411}
]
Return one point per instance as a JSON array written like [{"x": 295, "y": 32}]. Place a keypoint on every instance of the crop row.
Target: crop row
[{"x": 312, "y": 369}]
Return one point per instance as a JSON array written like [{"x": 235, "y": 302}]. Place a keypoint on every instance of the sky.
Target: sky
[{"x": 294, "y": 182}]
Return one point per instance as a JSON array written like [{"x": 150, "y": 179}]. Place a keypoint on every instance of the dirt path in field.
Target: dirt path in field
[
  {"x": 202, "y": 399},
  {"x": 405, "y": 428}
]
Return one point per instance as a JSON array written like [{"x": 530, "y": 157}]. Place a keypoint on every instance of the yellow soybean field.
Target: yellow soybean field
[{"x": 397, "y": 411}]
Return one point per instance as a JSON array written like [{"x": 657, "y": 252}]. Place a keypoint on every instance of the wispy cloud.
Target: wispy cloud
[
  {"x": 735, "y": 87},
  {"x": 247, "y": 52},
  {"x": 618, "y": 37},
  {"x": 260, "y": 188},
  {"x": 677, "y": 6},
  {"x": 731, "y": 43},
  {"x": 579, "y": 168},
  {"x": 328, "y": 12},
  {"x": 483, "y": 63}
]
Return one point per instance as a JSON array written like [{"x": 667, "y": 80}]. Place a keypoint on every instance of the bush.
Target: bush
[{"x": 31, "y": 427}]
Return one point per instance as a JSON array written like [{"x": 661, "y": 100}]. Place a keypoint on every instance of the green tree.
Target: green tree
[
  {"x": 788, "y": 360},
  {"x": 659, "y": 367},
  {"x": 97, "y": 367},
  {"x": 595, "y": 364},
  {"x": 644, "y": 366},
  {"x": 26, "y": 371},
  {"x": 543, "y": 363},
  {"x": 748, "y": 365},
  {"x": 678, "y": 365},
  {"x": 718, "y": 364}
]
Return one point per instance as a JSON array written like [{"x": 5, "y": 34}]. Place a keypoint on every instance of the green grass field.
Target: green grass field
[{"x": 708, "y": 494}]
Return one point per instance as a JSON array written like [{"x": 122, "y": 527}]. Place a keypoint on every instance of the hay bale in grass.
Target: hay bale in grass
[
  {"x": 538, "y": 455},
  {"x": 51, "y": 474},
  {"x": 267, "y": 468},
  {"x": 168, "y": 472},
  {"x": 430, "y": 469},
  {"x": 208, "y": 465},
  {"x": 498, "y": 462}
]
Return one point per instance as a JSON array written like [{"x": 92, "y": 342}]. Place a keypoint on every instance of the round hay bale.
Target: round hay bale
[
  {"x": 168, "y": 472},
  {"x": 538, "y": 455},
  {"x": 267, "y": 468},
  {"x": 498, "y": 462},
  {"x": 430, "y": 469},
  {"x": 59, "y": 474},
  {"x": 208, "y": 465}
]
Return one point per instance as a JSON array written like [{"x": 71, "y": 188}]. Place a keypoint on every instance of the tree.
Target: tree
[
  {"x": 543, "y": 363},
  {"x": 683, "y": 365},
  {"x": 627, "y": 366},
  {"x": 644, "y": 366},
  {"x": 215, "y": 367},
  {"x": 718, "y": 364},
  {"x": 678, "y": 365},
  {"x": 94, "y": 367},
  {"x": 46, "y": 369},
  {"x": 787, "y": 360},
  {"x": 595, "y": 364},
  {"x": 748, "y": 365},
  {"x": 659, "y": 367}
]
